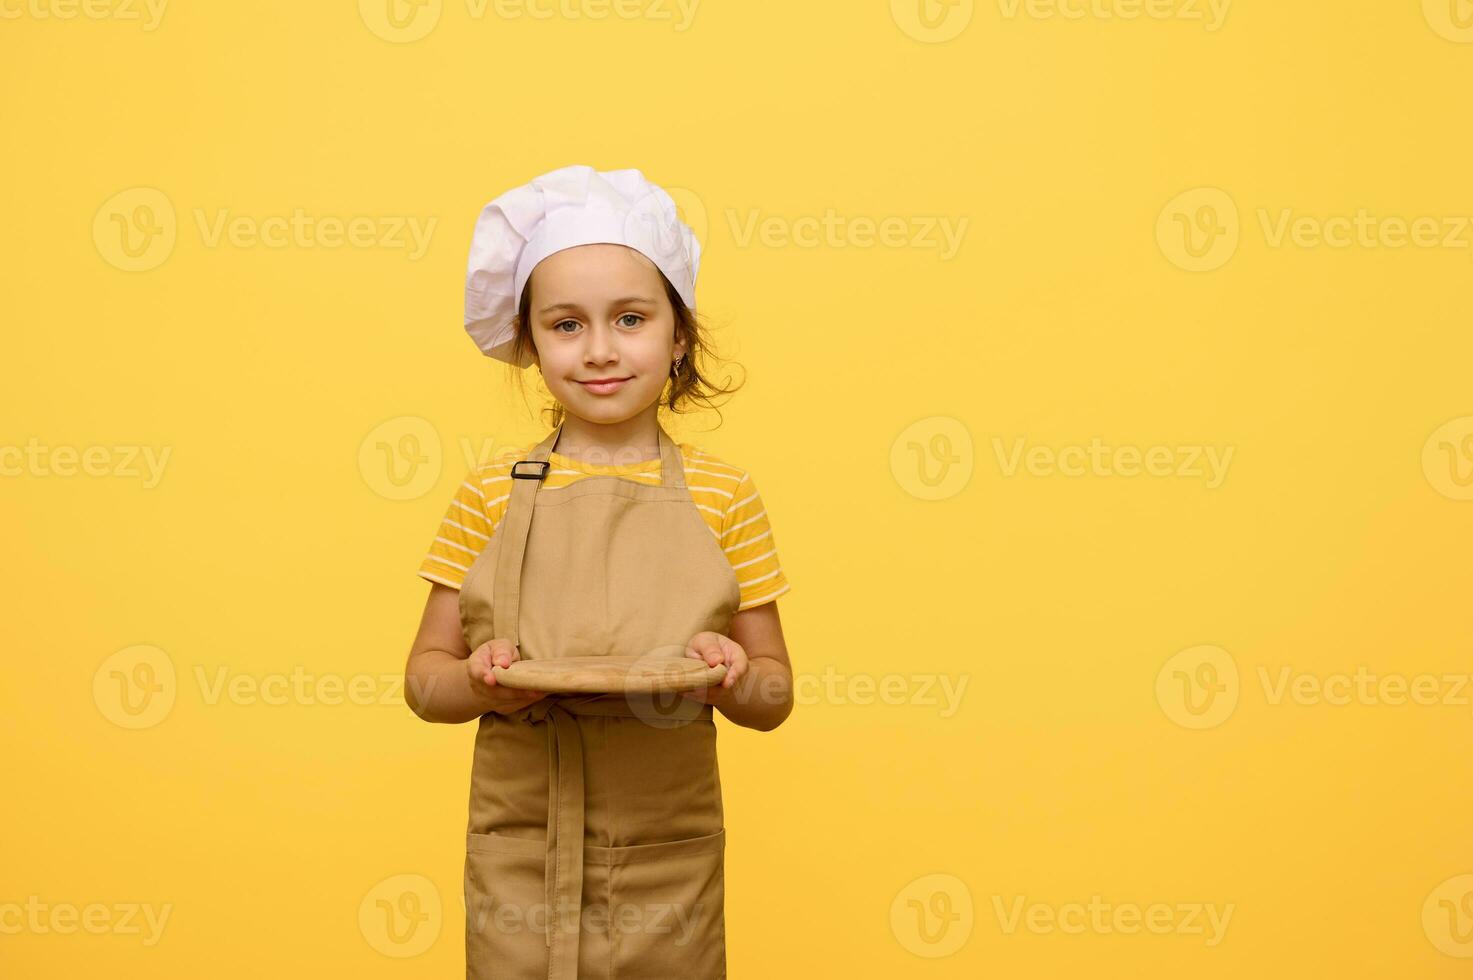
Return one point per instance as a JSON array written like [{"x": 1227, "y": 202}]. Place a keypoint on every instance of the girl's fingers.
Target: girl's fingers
[
  {"x": 736, "y": 664},
  {"x": 503, "y": 654},
  {"x": 705, "y": 646}
]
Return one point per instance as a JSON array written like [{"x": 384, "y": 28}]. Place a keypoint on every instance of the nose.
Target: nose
[{"x": 600, "y": 348}]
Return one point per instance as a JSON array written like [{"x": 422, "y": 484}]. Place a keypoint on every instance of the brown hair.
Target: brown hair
[{"x": 689, "y": 385}]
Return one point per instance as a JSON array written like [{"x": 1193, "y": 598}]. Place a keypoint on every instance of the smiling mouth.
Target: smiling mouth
[{"x": 605, "y": 387}]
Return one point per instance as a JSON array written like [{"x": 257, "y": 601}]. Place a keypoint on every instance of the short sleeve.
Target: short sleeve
[
  {"x": 464, "y": 531},
  {"x": 747, "y": 539}
]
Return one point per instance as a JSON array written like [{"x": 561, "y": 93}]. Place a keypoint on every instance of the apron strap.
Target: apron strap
[
  {"x": 672, "y": 472},
  {"x": 526, "y": 478}
]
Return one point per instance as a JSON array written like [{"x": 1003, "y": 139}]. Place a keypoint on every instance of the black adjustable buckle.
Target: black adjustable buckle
[{"x": 530, "y": 476}]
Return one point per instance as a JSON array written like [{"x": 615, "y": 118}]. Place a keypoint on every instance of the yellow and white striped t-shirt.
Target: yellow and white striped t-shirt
[{"x": 724, "y": 494}]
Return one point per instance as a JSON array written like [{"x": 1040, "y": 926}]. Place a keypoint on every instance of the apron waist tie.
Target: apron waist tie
[{"x": 563, "y": 873}]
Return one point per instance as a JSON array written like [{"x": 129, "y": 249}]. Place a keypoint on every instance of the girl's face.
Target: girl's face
[{"x": 600, "y": 312}]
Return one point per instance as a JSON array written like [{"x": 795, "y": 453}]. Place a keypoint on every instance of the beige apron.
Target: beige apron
[{"x": 596, "y": 843}]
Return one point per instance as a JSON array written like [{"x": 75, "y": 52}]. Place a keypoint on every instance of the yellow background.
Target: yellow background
[{"x": 269, "y": 545}]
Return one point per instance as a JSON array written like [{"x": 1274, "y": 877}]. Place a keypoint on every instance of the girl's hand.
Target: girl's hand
[
  {"x": 713, "y": 648},
  {"x": 497, "y": 698}
]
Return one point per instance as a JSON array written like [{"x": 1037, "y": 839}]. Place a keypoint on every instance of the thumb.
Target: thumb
[
  {"x": 503, "y": 653},
  {"x": 704, "y": 647}
]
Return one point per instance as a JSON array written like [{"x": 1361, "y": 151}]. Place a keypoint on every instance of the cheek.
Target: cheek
[
  {"x": 651, "y": 360},
  {"x": 558, "y": 359},
  {"x": 655, "y": 353}
]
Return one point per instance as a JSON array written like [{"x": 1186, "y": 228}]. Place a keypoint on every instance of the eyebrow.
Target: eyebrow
[{"x": 621, "y": 301}]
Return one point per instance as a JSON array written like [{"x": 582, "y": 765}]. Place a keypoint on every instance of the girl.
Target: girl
[{"x": 596, "y": 841}]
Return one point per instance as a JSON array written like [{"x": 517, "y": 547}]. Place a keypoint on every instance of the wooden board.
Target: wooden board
[{"x": 610, "y": 675}]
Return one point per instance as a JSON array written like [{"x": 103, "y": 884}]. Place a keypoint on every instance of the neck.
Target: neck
[{"x": 610, "y": 443}]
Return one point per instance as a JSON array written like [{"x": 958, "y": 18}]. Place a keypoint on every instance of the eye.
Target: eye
[
  {"x": 558, "y": 326},
  {"x": 637, "y": 317}
]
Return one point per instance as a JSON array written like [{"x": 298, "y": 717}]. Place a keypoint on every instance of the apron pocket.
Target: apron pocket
[
  {"x": 666, "y": 914},
  {"x": 660, "y": 909},
  {"x": 505, "y": 908}
]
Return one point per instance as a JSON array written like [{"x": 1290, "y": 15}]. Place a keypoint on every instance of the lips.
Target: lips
[{"x": 604, "y": 387}]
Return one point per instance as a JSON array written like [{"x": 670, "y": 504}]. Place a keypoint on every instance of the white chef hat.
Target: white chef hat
[{"x": 570, "y": 206}]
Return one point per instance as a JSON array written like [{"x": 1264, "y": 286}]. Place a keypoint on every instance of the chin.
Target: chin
[{"x": 618, "y": 407}]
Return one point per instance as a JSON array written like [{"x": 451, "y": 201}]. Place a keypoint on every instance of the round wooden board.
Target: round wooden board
[{"x": 610, "y": 675}]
